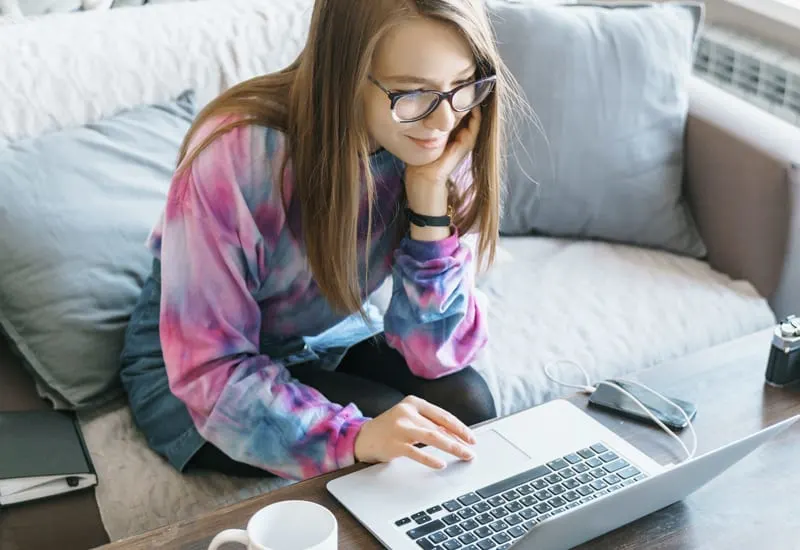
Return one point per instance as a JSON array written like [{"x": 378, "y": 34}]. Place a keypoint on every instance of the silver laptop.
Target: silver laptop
[{"x": 550, "y": 477}]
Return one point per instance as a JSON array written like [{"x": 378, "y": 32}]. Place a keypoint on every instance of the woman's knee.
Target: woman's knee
[{"x": 464, "y": 393}]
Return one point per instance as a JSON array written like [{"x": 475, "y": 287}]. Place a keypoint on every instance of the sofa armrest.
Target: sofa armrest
[{"x": 744, "y": 191}]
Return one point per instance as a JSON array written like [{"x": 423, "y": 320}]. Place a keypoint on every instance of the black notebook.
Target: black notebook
[{"x": 42, "y": 454}]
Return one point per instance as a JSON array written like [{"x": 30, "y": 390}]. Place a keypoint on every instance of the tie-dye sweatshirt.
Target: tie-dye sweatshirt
[{"x": 235, "y": 277}]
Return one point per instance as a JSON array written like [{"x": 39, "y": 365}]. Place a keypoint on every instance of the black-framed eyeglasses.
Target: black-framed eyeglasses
[{"x": 416, "y": 105}]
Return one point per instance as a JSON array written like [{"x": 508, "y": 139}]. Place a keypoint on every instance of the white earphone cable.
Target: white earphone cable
[{"x": 588, "y": 389}]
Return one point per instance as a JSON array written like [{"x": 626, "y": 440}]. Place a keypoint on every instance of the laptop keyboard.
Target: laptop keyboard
[{"x": 494, "y": 516}]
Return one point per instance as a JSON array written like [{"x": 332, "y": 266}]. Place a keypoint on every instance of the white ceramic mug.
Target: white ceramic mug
[{"x": 285, "y": 525}]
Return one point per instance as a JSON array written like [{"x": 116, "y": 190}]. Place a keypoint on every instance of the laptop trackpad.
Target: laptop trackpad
[{"x": 403, "y": 477}]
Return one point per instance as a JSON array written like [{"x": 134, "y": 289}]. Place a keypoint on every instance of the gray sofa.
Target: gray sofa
[{"x": 615, "y": 308}]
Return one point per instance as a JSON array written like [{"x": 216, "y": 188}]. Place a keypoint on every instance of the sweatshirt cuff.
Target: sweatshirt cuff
[
  {"x": 346, "y": 445},
  {"x": 431, "y": 250}
]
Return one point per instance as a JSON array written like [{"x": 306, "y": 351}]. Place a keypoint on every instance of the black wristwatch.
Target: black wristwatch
[{"x": 422, "y": 220}]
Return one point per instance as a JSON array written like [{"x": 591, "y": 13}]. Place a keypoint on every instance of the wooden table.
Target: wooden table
[{"x": 755, "y": 504}]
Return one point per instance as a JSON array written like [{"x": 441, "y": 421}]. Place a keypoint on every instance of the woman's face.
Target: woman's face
[{"x": 423, "y": 54}]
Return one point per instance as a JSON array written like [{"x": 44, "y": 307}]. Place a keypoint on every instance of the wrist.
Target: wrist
[{"x": 427, "y": 198}]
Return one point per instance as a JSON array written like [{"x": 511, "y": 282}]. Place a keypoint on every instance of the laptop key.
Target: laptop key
[
  {"x": 483, "y": 532},
  {"x": 572, "y": 458},
  {"x": 557, "y": 464},
  {"x": 585, "y": 478},
  {"x": 557, "y": 489},
  {"x": 513, "y": 481},
  {"x": 628, "y": 472},
  {"x": 599, "y": 448},
  {"x": 580, "y": 468},
  {"x": 527, "y": 513},
  {"x": 426, "y": 529},
  {"x": 515, "y": 506},
  {"x": 498, "y": 526},
  {"x": 567, "y": 473},
  {"x": 585, "y": 490},
  {"x": 451, "y": 519},
  {"x": 530, "y": 524},
  {"x": 437, "y": 537},
  {"x": 553, "y": 478},
  {"x": 469, "y": 525},
  {"x": 516, "y": 531},
  {"x": 499, "y": 512},
  {"x": 467, "y": 538},
  {"x": 612, "y": 479},
  {"x": 586, "y": 453},
  {"x": 614, "y": 466},
  {"x": 469, "y": 499},
  {"x": 525, "y": 490},
  {"x": 543, "y": 495},
  {"x": 571, "y": 483},
  {"x": 556, "y": 502},
  {"x": 511, "y": 495},
  {"x": 594, "y": 462},
  {"x": 434, "y": 509},
  {"x": 505, "y": 546},
  {"x": 528, "y": 500},
  {"x": 486, "y": 544},
  {"x": 539, "y": 484},
  {"x": 452, "y": 544},
  {"x": 421, "y": 517},
  {"x": 542, "y": 508},
  {"x": 454, "y": 531},
  {"x": 513, "y": 519},
  {"x": 425, "y": 544},
  {"x": 467, "y": 513},
  {"x": 403, "y": 521},
  {"x": 569, "y": 496},
  {"x": 451, "y": 505},
  {"x": 609, "y": 456},
  {"x": 599, "y": 484},
  {"x": 483, "y": 519},
  {"x": 598, "y": 473},
  {"x": 482, "y": 507},
  {"x": 501, "y": 538},
  {"x": 496, "y": 501}
]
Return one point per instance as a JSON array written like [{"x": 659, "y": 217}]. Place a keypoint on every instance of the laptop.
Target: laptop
[{"x": 547, "y": 478}]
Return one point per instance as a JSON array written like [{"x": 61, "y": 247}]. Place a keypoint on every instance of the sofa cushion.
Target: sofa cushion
[
  {"x": 603, "y": 157},
  {"x": 614, "y": 309},
  {"x": 77, "y": 207}
]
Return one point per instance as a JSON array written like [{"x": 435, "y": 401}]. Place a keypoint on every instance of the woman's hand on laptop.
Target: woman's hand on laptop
[{"x": 396, "y": 433}]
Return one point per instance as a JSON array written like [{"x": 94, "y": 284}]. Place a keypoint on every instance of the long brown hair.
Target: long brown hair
[{"x": 316, "y": 102}]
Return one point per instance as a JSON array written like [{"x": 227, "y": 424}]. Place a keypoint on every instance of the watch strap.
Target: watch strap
[{"x": 421, "y": 220}]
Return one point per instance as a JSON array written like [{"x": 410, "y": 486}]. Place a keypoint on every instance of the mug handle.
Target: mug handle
[{"x": 229, "y": 535}]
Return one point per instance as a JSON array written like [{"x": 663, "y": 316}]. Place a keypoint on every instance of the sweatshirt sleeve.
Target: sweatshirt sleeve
[
  {"x": 434, "y": 318},
  {"x": 213, "y": 259}
]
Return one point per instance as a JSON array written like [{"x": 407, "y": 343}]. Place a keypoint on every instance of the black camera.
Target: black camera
[{"x": 783, "y": 365}]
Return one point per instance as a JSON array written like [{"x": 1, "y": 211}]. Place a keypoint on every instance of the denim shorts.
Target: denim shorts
[{"x": 163, "y": 418}]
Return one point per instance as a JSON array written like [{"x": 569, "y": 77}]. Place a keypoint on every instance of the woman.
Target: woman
[{"x": 253, "y": 348}]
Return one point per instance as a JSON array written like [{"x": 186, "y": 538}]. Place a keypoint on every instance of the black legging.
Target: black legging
[{"x": 375, "y": 377}]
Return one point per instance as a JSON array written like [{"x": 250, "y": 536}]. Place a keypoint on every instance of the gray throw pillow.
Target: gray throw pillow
[
  {"x": 608, "y": 83},
  {"x": 75, "y": 211}
]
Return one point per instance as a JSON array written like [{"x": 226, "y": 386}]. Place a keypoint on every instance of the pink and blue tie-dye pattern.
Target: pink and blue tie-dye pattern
[{"x": 234, "y": 276}]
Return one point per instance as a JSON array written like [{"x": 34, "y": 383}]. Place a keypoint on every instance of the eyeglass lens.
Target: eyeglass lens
[{"x": 419, "y": 104}]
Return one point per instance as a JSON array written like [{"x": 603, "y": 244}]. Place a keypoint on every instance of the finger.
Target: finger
[
  {"x": 469, "y": 135},
  {"x": 425, "y": 423},
  {"x": 424, "y": 458},
  {"x": 443, "y": 418},
  {"x": 443, "y": 442}
]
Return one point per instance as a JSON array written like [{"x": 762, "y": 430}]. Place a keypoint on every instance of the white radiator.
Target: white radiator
[{"x": 753, "y": 70}]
